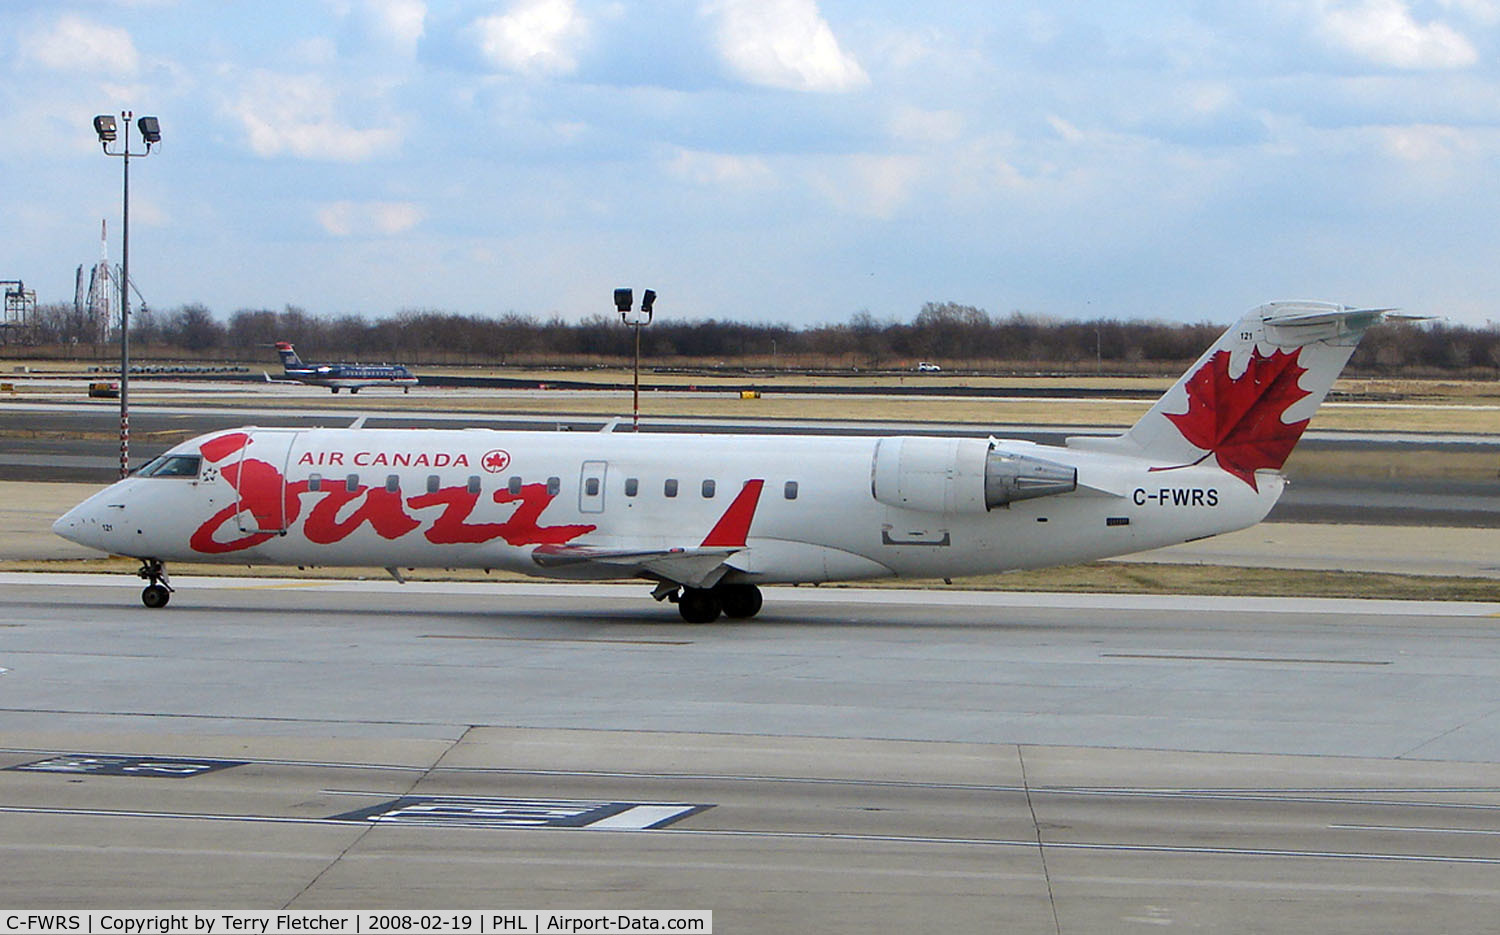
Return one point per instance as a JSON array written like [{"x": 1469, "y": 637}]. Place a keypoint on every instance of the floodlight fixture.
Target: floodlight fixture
[
  {"x": 624, "y": 299},
  {"x": 108, "y": 131}
]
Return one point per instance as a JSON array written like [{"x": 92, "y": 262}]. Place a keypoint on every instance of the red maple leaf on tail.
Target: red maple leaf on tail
[{"x": 1238, "y": 420}]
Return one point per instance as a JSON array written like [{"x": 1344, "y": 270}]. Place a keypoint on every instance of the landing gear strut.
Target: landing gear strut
[
  {"x": 159, "y": 591},
  {"x": 703, "y": 605}
]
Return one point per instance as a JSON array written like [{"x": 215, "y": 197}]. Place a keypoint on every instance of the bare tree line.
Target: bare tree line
[{"x": 953, "y": 335}]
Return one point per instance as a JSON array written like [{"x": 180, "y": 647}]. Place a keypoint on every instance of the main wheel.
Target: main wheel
[
  {"x": 740, "y": 601},
  {"x": 698, "y": 605},
  {"x": 155, "y": 595}
]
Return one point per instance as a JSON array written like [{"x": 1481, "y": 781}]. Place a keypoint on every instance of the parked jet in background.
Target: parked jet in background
[
  {"x": 710, "y": 518},
  {"x": 341, "y": 376}
]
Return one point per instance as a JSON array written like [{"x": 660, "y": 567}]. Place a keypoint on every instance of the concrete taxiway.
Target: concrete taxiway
[{"x": 850, "y": 761}]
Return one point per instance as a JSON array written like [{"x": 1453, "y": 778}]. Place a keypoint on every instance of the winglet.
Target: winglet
[{"x": 734, "y": 526}]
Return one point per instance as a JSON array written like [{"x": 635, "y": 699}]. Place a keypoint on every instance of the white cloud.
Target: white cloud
[
  {"x": 926, "y": 127},
  {"x": 719, "y": 169},
  {"x": 299, "y": 115},
  {"x": 534, "y": 37},
  {"x": 1385, "y": 32},
  {"x": 783, "y": 44},
  {"x": 394, "y": 24},
  {"x": 76, "y": 44},
  {"x": 1486, "y": 12},
  {"x": 870, "y": 186},
  {"x": 351, "y": 218}
]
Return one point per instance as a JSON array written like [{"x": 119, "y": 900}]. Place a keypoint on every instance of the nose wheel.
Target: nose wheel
[{"x": 159, "y": 591}]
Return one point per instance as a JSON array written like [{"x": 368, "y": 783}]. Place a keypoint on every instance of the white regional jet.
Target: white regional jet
[{"x": 709, "y": 518}]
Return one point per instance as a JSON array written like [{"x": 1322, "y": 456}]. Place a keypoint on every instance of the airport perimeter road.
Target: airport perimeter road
[{"x": 851, "y": 761}]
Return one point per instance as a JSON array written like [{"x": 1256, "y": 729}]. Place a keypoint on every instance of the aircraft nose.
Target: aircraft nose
[
  {"x": 70, "y": 524},
  {"x": 83, "y": 524}
]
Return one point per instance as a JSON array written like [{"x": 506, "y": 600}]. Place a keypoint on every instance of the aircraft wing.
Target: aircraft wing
[{"x": 699, "y": 567}]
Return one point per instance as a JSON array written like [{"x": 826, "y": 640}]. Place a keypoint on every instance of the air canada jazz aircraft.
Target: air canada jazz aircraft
[
  {"x": 341, "y": 376},
  {"x": 709, "y": 518}
]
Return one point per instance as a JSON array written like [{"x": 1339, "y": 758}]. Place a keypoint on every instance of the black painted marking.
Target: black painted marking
[
  {"x": 509, "y": 812},
  {"x": 114, "y": 765}
]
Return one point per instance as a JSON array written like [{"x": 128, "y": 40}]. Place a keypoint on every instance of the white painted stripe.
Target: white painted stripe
[
  {"x": 1416, "y": 830},
  {"x": 640, "y": 817}
]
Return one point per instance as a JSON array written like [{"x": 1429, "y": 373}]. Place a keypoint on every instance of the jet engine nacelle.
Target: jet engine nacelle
[{"x": 960, "y": 475}]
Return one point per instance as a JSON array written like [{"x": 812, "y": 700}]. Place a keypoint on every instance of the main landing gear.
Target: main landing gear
[
  {"x": 703, "y": 605},
  {"x": 159, "y": 591}
]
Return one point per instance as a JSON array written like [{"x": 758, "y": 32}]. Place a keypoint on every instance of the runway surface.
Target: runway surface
[{"x": 850, "y": 761}]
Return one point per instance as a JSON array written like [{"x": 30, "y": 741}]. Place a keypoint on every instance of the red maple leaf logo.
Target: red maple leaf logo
[
  {"x": 1238, "y": 420},
  {"x": 496, "y": 461}
]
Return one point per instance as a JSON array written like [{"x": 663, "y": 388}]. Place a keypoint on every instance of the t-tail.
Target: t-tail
[
  {"x": 1247, "y": 400},
  {"x": 289, "y": 358}
]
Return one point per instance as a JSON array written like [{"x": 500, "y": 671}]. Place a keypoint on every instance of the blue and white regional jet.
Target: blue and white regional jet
[
  {"x": 708, "y": 519},
  {"x": 341, "y": 376}
]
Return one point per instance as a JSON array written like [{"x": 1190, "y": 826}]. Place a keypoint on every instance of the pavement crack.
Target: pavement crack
[
  {"x": 370, "y": 826},
  {"x": 1447, "y": 733},
  {"x": 1041, "y": 848}
]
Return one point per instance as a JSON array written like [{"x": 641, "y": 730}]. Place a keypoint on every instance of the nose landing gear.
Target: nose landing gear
[{"x": 159, "y": 591}]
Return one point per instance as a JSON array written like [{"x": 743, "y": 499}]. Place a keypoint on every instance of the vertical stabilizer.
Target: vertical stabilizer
[
  {"x": 289, "y": 359},
  {"x": 1246, "y": 401}
]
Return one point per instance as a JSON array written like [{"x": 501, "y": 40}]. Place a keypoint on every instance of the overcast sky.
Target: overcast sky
[{"x": 783, "y": 160}]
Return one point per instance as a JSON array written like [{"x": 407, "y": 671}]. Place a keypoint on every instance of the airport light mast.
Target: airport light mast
[
  {"x": 624, "y": 299},
  {"x": 150, "y": 128}
]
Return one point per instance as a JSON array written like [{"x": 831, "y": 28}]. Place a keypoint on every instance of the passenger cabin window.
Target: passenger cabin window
[
  {"x": 591, "y": 487},
  {"x": 632, "y": 486},
  {"x": 392, "y": 483},
  {"x": 514, "y": 485},
  {"x": 669, "y": 489},
  {"x": 172, "y": 466},
  {"x": 351, "y": 483},
  {"x": 708, "y": 490},
  {"x": 790, "y": 491},
  {"x": 315, "y": 482},
  {"x": 553, "y": 486},
  {"x": 432, "y": 483},
  {"x": 473, "y": 485}
]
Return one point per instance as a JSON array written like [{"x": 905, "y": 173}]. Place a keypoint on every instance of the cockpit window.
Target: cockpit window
[{"x": 172, "y": 466}]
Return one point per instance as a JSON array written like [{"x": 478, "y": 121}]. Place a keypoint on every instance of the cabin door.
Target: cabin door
[
  {"x": 260, "y": 490},
  {"x": 591, "y": 486}
]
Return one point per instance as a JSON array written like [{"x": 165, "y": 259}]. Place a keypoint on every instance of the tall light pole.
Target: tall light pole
[
  {"x": 624, "y": 299},
  {"x": 150, "y": 128}
]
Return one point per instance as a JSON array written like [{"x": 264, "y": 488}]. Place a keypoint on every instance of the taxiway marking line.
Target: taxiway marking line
[
  {"x": 1191, "y": 658},
  {"x": 1416, "y": 830},
  {"x": 820, "y": 836}
]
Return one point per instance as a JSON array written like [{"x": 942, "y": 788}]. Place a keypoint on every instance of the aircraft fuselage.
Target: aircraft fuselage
[{"x": 526, "y": 501}]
